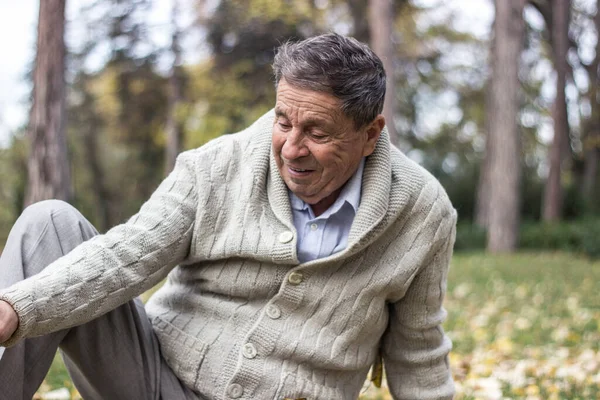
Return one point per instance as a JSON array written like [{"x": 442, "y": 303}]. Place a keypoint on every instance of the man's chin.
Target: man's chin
[{"x": 305, "y": 196}]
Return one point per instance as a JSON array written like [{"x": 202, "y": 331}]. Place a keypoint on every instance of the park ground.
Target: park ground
[{"x": 524, "y": 326}]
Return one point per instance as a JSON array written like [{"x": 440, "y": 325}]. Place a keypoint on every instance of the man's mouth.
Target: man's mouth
[{"x": 299, "y": 171}]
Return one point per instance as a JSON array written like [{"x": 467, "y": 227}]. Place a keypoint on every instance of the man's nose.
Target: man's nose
[{"x": 294, "y": 146}]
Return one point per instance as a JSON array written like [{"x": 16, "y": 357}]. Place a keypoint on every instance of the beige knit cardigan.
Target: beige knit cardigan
[{"x": 239, "y": 317}]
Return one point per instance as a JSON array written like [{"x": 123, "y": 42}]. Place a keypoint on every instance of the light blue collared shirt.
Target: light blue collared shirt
[{"x": 327, "y": 234}]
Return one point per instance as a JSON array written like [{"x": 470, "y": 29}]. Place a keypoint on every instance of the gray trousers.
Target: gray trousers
[{"x": 115, "y": 356}]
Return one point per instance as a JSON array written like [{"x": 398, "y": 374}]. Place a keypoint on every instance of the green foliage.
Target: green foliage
[
  {"x": 57, "y": 375},
  {"x": 13, "y": 178},
  {"x": 582, "y": 236},
  {"x": 223, "y": 103},
  {"x": 579, "y": 236},
  {"x": 117, "y": 147},
  {"x": 532, "y": 191},
  {"x": 565, "y": 236},
  {"x": 591, "y": 239},
  {"x": 469, "y": 237}
]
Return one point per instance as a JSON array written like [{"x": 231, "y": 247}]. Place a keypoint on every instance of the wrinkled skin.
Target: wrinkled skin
[{"x": 317, "y": 148}]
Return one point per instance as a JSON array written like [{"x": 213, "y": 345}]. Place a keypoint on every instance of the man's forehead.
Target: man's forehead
[
  {"x": 305, "y": 116},
  {"x": 306, "y": 107}
]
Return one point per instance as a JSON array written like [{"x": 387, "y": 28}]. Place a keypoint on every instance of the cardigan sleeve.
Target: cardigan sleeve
[
  {"x": 109, "y": 270},
  {"x": 415, "y": 348}
]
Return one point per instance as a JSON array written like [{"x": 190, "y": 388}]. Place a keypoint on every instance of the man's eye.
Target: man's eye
[
  {"x": 319, "y": 135},
  {"x": 284, "y": 126}
]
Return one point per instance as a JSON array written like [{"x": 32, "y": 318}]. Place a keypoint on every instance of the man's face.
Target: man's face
[{"x": 316, "y": 147}]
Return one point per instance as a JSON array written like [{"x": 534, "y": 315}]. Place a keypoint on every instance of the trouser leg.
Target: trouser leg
[
  {"x": 33, "y": 243},
  {"x": 115, "y": 356}
]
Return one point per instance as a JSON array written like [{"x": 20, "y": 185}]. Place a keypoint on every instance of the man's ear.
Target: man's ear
[{"x": 373, "y": 130}]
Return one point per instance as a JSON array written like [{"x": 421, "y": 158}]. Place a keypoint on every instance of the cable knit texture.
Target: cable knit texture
[{"x": 239, "y": 316}]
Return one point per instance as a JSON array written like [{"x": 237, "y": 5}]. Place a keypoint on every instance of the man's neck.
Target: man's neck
[{"x": 322, "y": 206}]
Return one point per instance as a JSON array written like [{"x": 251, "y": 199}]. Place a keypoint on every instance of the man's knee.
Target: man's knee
[
  {"x": 46, "y": 207},
  {"x": 43, "y": 232},
  {"x": 46, "y": 212},
  {"x": 65, "y": 221}
]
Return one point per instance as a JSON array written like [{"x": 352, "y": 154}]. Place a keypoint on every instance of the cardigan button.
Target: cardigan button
[
  {"x": 295, "y": 278},
  {"x": 273, "y": 311},
  {"x": 249, "y": 351},
  {"x": 235, "y": 391},
  {"x": 286, "y": 237}
]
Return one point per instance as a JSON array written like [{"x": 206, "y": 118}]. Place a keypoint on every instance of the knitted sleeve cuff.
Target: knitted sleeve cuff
[{"x": 22, "y": 303}]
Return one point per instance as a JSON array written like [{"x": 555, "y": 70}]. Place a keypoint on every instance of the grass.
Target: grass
[{"x": 524, "y": 326}]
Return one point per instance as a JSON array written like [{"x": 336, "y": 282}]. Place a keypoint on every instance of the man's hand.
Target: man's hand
[{"x": 9, "y": 321}]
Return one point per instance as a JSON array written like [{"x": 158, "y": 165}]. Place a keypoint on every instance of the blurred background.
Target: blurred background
[{"x": 499, "y": 100}]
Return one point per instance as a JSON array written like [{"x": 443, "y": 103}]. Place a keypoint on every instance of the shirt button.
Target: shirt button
[
  {"x": 249, "y": 351},
  {"x": 286, "y": 237},
  {"x": 295, "y": 278},
  {"x": 313, "y": 226},
  {"x": 273, "y": 311},
  {"x": 235, "y": 391}
]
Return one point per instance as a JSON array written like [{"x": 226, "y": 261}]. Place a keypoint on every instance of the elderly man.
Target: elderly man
[{"x": 297, "y": 251}]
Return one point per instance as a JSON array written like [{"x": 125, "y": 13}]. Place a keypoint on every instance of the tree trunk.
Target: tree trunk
[
  {"x": 358, "y": 10},
  {"x": 505, "y": 159},
  {"x": 103, "y": 197},
  {"x": 591, "y": 141},
  {"x": 381, "y": 22},
  {"x": 590, "y": 172},
  {"x": 482, "y": 199},
  {"x": 174, "y": 126},
  {"x": 48, "y": 167},
  {"x": 553, "y": 194}
]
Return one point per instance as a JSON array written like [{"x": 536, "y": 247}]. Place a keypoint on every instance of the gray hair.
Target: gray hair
[{"x": 338, "y": 65}]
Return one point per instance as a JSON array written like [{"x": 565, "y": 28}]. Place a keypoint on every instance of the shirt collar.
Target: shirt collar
[{"x": 350, "y": 194}]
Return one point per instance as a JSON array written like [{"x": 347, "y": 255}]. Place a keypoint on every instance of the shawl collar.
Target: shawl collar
[
  {"x": 377, "y": 208},
  {"x": 376, "y": 191},
  {"x": 267, "y": 173}
]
